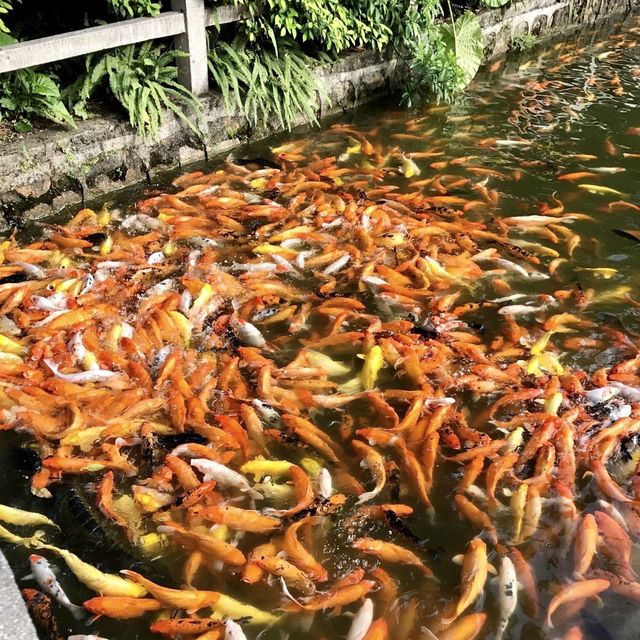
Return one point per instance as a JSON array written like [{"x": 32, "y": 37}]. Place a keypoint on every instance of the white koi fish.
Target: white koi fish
[
  {"x": 224, "y": 476},
  {"x": 43, "y": 574},
  {"x": 247, "y": 333},
  {"x": 601, "y": 394},
  {"x": 361, "y": 621},
  {"x": 97, "y": 375},
  {"x": 325, "y": 484},
  {"x": 507, "y": 595},
  {"x": 337, "y": 265},
  {"x": 233, "y": 631}
]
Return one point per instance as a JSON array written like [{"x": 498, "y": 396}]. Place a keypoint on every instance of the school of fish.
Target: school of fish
[{"x": 308, "y": 333}]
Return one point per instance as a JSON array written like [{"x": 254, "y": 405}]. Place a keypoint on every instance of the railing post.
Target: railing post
[{"x": 192, "y": 70}]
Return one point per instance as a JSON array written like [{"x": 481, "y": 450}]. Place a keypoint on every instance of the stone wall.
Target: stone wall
[
  {"x": 47, "y": 170},
  {"x": 544, "y": 18}
]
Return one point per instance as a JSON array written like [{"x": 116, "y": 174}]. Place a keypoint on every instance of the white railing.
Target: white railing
[{"x": 187, "y": 23}]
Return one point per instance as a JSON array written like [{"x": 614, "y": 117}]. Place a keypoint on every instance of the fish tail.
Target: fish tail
[
  {"x": 79, "y": 613},
  {"x": 37, "y": 540},
  {"x": 365, "y": 497}
]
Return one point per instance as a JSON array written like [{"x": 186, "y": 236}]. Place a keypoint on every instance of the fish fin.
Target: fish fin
[
  {"x": 429, "y": 635},
  {"x": 491, "y": 569},
  {"x": 458, "y": 559},
  {"x": 365, "y": 497},
  {"x": 79, "y": 613},
  {"x": 287, "y": 593},
  {"x": 29, "y": 576}
]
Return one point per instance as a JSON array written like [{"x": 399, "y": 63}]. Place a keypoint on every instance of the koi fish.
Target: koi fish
[
  {"x": 600, "y": 190},
  {"x": 121, "y": 608},
  {"x": 473, "y": 578},
  {"x": 468, "y": 627},
  {"x": 585, "y": 545},
  {"x": 105, "y": 583},
  {"x": 373, "y": 361},
  {"x": 43, "y": 574},
  {"x": 96, "y": 375},
  {"x": 174, "y": 598},
  {"x": 507, "y": 595},
  {"x": 373, "y": 461},
  {"x": 361, "y": 621},
  {"x": 24, "y": 518},
  {"x": 574, "y": 592},
  {"x": 41, "y": 609},
  {"x": 34, "y": 541},
  {"x": 409, "y": 167},
  {"x": 224, "y": 476},
  {"x": 233, "y": 631},
  {"x": 390, "y": 552}
]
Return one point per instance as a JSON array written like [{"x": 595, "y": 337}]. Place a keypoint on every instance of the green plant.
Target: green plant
[
  {"x": 464, "y": 38},
  {"x": 523, "y": 42},
  {"x": 264, "y": 84},
  {"x": 408, "y": 20},
  {"x": 143, "y": 79},
  {"x": 444, "y": 60},
  {"x": 134, "y": 8},
  {"x": 433, "y": 72},
  {"x": 5, "y": 7},
  {"x": 334, "y": 26},
  {"x": 27, "y": 93},
  {"x": 494, "y": 4},
  {"x": 307, "y": 20}
]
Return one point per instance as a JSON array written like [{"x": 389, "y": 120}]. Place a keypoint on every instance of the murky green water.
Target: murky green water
[{"x": 568, "y": 108}]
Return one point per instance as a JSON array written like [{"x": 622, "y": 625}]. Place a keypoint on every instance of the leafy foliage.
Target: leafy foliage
[
  {"x": 445, "y": 60},
  {"x": 433, "y": 72},
  {"x": 27, "y": 93},
  {"x": 338, "y": 25},
  {"x": 494, "y": 4},
  {"x": 523, "y": 42},
  {"x": 5, "y": 7},
  {"x": 135, "y": 8},
  {"x": 464, "y": 38},
  {"x": 408, "y": 21},
  {"x": 264, "y": 84},
  {"x": 143, "y": 79}
]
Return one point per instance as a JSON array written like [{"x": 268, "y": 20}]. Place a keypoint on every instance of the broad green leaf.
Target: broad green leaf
[{"x": 464, "y": 38}]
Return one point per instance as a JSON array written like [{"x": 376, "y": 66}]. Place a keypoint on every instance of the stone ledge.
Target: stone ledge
[{"x": 15, "y": 622}]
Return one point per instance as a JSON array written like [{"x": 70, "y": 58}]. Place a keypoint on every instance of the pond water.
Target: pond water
[{"x": 454, "y": 289}]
